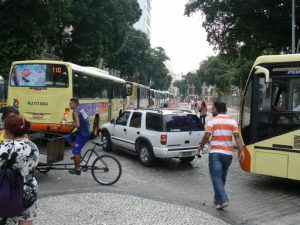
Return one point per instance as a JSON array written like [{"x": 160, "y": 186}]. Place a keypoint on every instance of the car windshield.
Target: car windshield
[{"x": 182, "y": 122}]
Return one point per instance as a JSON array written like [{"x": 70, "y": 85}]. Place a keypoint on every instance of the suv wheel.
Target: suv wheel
[
  {"x": 187, "y": 159},
  {"x": 105, "y": 137},
  {"x": 146, "y": 155}
]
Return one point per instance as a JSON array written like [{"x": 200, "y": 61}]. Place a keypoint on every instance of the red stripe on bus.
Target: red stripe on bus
[{"x": 51, "y": 127}]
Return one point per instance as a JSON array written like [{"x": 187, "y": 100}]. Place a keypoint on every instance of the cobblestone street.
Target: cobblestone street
[{"x": 254, "y": 199}]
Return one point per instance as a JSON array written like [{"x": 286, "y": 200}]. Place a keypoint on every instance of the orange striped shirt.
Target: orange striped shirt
[{"x": 221, "y": 128}]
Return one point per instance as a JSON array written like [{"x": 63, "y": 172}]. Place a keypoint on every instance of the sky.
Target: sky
[{"x": 183, "y": 38}]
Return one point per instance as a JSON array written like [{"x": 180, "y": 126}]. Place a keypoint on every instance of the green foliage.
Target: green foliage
[
  {"x": 153, "y": 67},
  {"x": 138, "y": 62},
  {"x": 132, "y": 55},
  {"x": 189, "y": 79},
  {"x": 99, "y": 29},
  {"x": 224, "y": 74},
  {"x": 83, "y": 32},
  {"x": 24, "y": 28},
  {"x": 247, "y": 28},
  {"x": 217, "y": 72}
]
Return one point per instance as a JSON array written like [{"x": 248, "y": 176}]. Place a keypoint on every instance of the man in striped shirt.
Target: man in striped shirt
[{"x": 220, "y": 129}]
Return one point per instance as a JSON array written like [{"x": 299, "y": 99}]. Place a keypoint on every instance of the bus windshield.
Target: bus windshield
[
  {"x": 278, "y": 104},
  {"x": 39, "y": 75}
]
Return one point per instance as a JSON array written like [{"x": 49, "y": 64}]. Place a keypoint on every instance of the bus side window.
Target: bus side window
[
  {"x": 76, "y": 85},
  {"x": 103, "y": 88},
  {"x": 296, "y": 95},
  {"x": 279, "y": 98}
]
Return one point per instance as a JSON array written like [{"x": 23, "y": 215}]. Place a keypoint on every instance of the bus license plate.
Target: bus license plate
[{"x": 38, "y": 115}]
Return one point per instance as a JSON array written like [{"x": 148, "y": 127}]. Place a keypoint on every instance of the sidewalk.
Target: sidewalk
[{"x": 114, "y": 209}]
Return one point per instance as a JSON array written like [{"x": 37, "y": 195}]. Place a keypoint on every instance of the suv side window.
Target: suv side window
[
  {"x": 122, "y": 120},
  {"x": 136, "y": 120},
  {"x": 154, "y": 122}
]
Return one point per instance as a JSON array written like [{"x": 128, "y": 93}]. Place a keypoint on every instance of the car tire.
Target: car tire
[
  {"x": 145, "y": 153},
  {"x": 105, "y": 138},
  {"x": 185, "y": 160}
]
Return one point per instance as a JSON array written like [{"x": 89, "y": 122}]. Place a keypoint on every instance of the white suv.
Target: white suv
[{"x": 155, "y": 133}]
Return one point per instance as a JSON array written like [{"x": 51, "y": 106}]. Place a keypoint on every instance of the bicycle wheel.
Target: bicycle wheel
[{"x": 106, "y": 170}]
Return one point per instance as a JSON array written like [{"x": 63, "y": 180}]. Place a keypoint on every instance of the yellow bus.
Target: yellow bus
[
  {"x": 42, "y": 89},
  {"x": 270, "y": 117},
  {"x": 139, "y": 97}
]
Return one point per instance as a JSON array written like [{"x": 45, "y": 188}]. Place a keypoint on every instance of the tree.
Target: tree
[
  {"x": 138, "y": 62},
  {"x": 25, "y": 27},
  {"x": 154, "y": 68},
  {"x": 247, "y": 28},
  {"x": 189, "y": 79},
  {"x": 81, "y": 31},
  {"x": 99, "y": 29},
  {"x": 132, "y": 56}
]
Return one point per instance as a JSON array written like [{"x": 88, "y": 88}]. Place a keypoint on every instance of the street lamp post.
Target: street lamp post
[{"x": 293, "y": 26}]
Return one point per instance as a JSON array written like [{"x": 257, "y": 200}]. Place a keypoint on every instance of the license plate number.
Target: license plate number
[{"x": 38, "y": 115}]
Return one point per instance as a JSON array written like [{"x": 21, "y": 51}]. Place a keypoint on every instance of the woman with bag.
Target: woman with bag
[
  {"x": 203, "y": 112},
  {"x": 25, "y": 155}
]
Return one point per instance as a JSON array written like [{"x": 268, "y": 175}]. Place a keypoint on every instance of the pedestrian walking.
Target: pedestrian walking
[
  {"x": 203, "y": 112},
  {"x": 220, "y": 129},
  {"x": 23, "y": 155}
]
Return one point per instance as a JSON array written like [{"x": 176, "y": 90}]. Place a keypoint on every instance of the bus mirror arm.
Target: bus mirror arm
[{"x": 260, "y": 69}]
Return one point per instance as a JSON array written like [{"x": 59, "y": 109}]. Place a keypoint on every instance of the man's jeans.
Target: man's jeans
[{"x": 218, "y": 168}]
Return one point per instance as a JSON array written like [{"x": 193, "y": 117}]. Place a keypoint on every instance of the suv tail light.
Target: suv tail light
[{"x": 163, "y": 139}]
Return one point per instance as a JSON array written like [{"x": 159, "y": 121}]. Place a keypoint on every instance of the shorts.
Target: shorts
[{"x": 78, "y": 143}]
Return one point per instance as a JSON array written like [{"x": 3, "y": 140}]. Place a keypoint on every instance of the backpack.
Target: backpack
[{"x": 11, "y": 189}]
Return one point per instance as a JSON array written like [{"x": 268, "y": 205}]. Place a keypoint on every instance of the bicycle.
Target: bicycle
[{"x": 105, "y": 169}]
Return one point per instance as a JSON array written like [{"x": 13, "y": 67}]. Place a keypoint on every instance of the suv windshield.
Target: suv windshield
[{"x": 182, "y": 122}]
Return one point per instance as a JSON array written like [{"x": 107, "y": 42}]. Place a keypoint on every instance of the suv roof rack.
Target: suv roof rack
[
  {"x": 182, "y": 110},
  {"x": 150, "y": 109}
]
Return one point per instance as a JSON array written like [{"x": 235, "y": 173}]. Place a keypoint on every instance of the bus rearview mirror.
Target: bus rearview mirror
[{"x": 260, "y": 69}]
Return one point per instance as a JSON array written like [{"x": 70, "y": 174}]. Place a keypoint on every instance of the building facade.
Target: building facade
[{"x": 144, "y": 24}]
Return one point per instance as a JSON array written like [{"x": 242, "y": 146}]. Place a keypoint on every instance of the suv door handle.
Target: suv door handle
[
  {"x": 137, "y": 132},
  {"x": 125, "y": 130}
]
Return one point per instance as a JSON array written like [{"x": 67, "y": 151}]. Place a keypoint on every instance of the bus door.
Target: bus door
[{"x": 138, "y": 96}]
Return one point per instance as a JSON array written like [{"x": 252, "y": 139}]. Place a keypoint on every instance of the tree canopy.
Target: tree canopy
[
  {"x": 247, "y": 28},
  {"x": 218, "y": 72},
  {"x": 25, "y": 27},
  {"x": 85, "y": 32}
]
